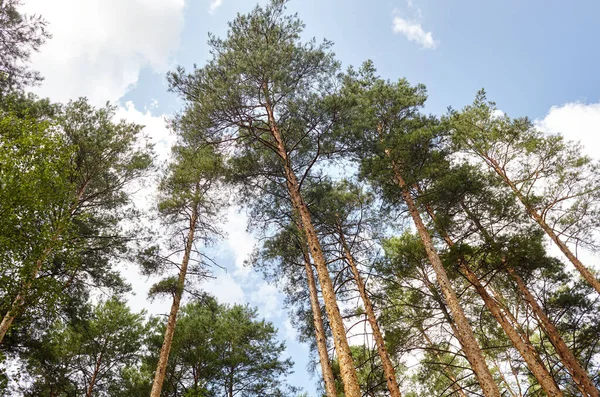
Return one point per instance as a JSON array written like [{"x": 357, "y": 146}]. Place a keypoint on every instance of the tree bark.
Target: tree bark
[
  {"x": 161, "y": 367},
  {"x": 342, "y": 348},
  {"x": 320, "y": 336},
  {"x": 90, "y": 388},
  {"x": 465, "y": 334},
  {"x": 578, "y": 373},
  {"x": 526, "y": 349},
  {"x": 388, "y": 367},
  {"x": 536, "y": 216}
]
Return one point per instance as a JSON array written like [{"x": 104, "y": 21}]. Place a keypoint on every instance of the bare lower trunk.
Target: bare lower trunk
[
  {"x": 320, "y": 336},
  {"x": 535, "y": 215},
  {"x": 90, "y": 388},
  {"x": 342, "y": 348},
  {"x": 388, "y": 367},
  {"x": 578, "y": 373},
  {"x": 465, "y": 334},
  {"x": 526, "y": 349},
  {"x": 161, "y": 367}
]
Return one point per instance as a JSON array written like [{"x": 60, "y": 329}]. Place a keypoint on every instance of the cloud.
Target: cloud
[
  {"x": 214, "y": 4},
  {"x": 226, "y": 289},
  {"x": 239, "y": 241},
  {"x": 575, "y": 121},
  {"x": 155, "y": 128},
  {"x": 99, "y": 46},
  {"x": 413, "y": 31}
]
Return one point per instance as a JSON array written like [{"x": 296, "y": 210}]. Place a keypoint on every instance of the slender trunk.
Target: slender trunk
[
  {"x": 572, "y": 365},
  {"x": 320, "y": 337},
  {"x": 465, "y": 334},
  {"x": 19, "y": 300},
  {"x": 527, "y": 351},
  {"x": 448, "y": 372},
  {"x": 578, "y": 373},
  {"x": 90, "y": 388},
  {"x": 161, "y": 367},
  {"x": 342, "y": 348},
  {"x": 388, "y": 367},
  {"x": 536, "y": 216}
]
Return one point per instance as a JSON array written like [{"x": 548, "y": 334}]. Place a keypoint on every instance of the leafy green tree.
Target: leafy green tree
[
  {"x": 19, "y": 35},
  {"x": 396, "y": 148},
  {"x": 264, "y": 98},
  {"x": 221, "y": 350},
  {"x": 189, "y": 202},
  {"x": 87, "y": 356},
  {"x": 557, "y": 185},
  {"x": 84, "y": 228}
]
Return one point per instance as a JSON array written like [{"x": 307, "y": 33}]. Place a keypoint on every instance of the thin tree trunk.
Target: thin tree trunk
[
  {"x": 388, "y": 367},
  {"x": 578, "y": 373},
  {"x": 448, "y": 372},
  {"x": 465, "y": 333},
  {"x": 161, "y": 367},
  {"x": 19, "y": 300},
  {"x": 527, "y": 351},
  {"x": 572, "y": 365},
  {"x": 90, "y": 388},
  {"x": 342, "y": 348},
  {"x": 535, "y": 215},
  {"x": 320, "y": 336}
]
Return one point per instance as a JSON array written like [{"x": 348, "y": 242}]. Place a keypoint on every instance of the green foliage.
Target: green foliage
[
  {"x": 219, "y": 348},
  {"x": 104, "y": 343}
]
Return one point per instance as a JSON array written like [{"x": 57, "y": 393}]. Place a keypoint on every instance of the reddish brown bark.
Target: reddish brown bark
[
  {"x": 320, "y": 336},
  {"x": 161, "y": 367},
  {"x": 388, "y": 367},
  {"x": 342, "y": 348},
  {"x": 90, "y": 388},
  {"x": 578, "y": 373},
  {"x": 525, "y": 348},
  {"x": 465, "y": 334},
  {"x": 536, "y": 216}
]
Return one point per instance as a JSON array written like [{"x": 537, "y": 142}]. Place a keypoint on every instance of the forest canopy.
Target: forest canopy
[{"x": 418, "y": 254}]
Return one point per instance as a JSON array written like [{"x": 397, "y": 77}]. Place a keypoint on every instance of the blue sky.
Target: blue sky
[{"x": 535, "y": 58}]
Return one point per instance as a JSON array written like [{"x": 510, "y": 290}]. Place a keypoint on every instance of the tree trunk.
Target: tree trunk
[
  {"x": 465, "y": 334},
  {"x": 535, "y": 215},
  {"x": 527, "y": 351},
  {"x": 578, "y": 373},
  {"x": 90, "y": 388},
  {"x": 161, "y": 367},
  {"x": 572, "y": 365},
  {"x": 320, "y": 336},
  {"x": 388, "y": 367},
  {"x": 342, "y": 348},
  {"x": 18, "y": 302}
]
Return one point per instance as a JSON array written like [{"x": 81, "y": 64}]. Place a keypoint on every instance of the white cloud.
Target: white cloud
[
  {"x": 226, "y": 289},
  {"x": 99, "y": 46},
  {"x": 239, "y": 241},
  {"x": 267, "y": 297},
  {"x": 214, "y": 4},
  {"x": 413, "y": 31},
  {"x": 155, "y": 128},
  {"x": 575, "y": 121}
]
